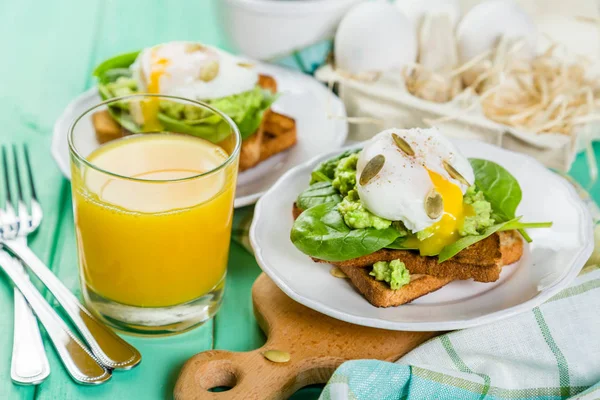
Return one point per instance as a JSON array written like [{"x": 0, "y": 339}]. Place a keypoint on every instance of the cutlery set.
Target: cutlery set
[{"x": 89, "y": 356}]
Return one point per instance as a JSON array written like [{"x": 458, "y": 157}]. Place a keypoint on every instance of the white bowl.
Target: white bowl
[{"x": 264, "y": 29}]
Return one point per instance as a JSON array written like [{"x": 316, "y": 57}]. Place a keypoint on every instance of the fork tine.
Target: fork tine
[
  {"x": 6, "y": 176},
  {"x": 29, "y": 173},
  {"x": 18, "y": 173}
]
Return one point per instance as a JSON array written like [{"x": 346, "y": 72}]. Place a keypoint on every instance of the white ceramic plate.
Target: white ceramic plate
[
  {"x": 548, "y": 264},
  {"x": 302, "y": 98}
]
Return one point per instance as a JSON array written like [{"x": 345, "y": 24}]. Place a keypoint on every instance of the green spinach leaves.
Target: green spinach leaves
[
  {"x": 318, "y": 193},
  {"x": 321, "y": 232},
  {"x": 246, "y": 109},
  {"x": 499, "y": 187}
]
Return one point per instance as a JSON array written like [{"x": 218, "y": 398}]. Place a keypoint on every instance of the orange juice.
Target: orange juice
[{"x": 162, "y": 238}]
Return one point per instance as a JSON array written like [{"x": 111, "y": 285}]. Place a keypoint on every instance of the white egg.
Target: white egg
[
  {"x": 399, "y": 190},
  {"x": 485, "y": 24},
  {"x": 374, "y": 36},
  {"x": 192, "y": 70},
  {"x": 416, "y": 9}
]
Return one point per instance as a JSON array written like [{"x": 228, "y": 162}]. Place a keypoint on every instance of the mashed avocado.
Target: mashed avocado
[
  {"x": 356, "y": 216},
  {"x": 123, "y": 86},
  {"x": 326, "y": 170},
  {"x": 393, "y": 272},
  {"x": 344, "y": 177},
  {"x": 482, "y": 210}
]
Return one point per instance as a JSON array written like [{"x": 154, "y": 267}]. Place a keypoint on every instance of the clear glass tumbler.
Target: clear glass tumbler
[{"x": 153, "y": 182}]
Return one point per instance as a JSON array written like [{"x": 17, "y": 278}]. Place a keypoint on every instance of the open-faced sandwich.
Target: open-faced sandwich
[
  {"x": 407, "y": 214},
  {"x": 197, "y": 72}
]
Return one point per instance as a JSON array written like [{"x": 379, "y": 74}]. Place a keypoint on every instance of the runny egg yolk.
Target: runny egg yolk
[
  {"x": 445, "y": 231},
  {"x": 150, "y": 106}
]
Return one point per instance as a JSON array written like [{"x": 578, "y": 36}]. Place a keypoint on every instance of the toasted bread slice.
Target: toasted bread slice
[
  {"x": 106, "y": 127},
  {"x": 511, "y": 247},
  {"x": 251, "y": 148},
  {"x": 276, "y": 133},
  {"x": 272, "y": 145},
  {"x": 267, "y": 82},
  {"x": 487, "y": 271},
  {"x": 279, "y": 124},
  {"x": 379, "y": 293},
  {"x": 481, "y": 261}
]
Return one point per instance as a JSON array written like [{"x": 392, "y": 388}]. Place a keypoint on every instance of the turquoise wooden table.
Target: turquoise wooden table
[{"x": 48, "y": 51}]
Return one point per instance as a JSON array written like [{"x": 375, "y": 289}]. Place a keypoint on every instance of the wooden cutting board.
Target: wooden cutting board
[{"x": 318, "y": 344}]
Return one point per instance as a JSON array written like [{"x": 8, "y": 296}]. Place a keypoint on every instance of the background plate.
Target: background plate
[
  {"x": 302, "y": 98},
  {"x": 548, "y": 264}
]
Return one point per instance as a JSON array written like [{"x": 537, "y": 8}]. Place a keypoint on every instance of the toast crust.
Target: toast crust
[
  {"x": 276, "y": 133},
  {"x": 106, "y": 127},
  {"x": 511, "y": 247},
  {"x": 251, "y": 148},
  {"x": 379, "y": 293}
]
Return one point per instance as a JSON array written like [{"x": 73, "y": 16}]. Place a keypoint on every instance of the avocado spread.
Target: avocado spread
[
  {"x": 356, "y": 216},
  {"x": 344, "y": 178},
  {"x": 480, "y": 216},
  {"x": 393, "y": 272},
  {"x": 123, "y": 86}
]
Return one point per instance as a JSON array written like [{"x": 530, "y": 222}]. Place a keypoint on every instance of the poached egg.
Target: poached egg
[
  {"x": 399, "y": 190},
  {"x": 193, "y": 71}
]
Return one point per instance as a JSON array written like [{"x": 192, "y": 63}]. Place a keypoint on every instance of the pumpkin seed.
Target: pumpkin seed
[
  {"x": 371, "y": 169},
  {"x": 209, "y": 72},
  {"x": 454, "y": 173},
  {"x": 434, "y": 204},
  {"x": 403, "y": 145},
  {"x": 245, "y": 65},
  {"x": 338, "y": 273},
  {"x": 277, "y": 356}
]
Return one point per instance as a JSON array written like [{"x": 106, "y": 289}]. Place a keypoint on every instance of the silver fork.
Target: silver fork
[
  {"x": 110, "y": 349},
  {"x": 29, "y": 364},
  {"x": 79, "y": 362}
]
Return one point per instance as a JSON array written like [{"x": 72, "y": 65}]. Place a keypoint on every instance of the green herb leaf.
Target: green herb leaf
[
  {"x": 254, "y": 115},
  {"x": 464, "y": 242},
  {"x": 326, "y": 170},
  {"x": 400, "y": 244},
  {"x": 318, "y": 193},
  {"x": 320, "y": 232},
  {"x": 120, "y": 61},
  {"x": 499, "y": 187},
  {"x": 214, "y": 129}
]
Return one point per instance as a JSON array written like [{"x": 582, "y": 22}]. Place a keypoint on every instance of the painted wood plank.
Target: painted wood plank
[
  {"x": 162, "y": 357},
  {"x": 235, "y": 325},
  {"x": 36, "y": 84}
]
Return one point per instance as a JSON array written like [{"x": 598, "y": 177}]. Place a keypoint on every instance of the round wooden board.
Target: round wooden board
[{"x": 317, "y": 344}]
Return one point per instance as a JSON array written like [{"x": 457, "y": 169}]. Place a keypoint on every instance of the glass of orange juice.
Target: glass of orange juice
[{"x": 153, "y": 206}]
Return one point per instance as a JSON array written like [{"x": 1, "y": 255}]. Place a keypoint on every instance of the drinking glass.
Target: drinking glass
[{"x": 153, "y": 180}]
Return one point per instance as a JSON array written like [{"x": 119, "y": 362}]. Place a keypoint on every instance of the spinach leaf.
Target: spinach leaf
[
  {"x": 120, "y": 61},
  {"x": 318, "y": 193},
  {"x": 213, "y": 129},
  {"x": 453, "y": 249},
  {"x": 254, "y": 115},
  {"x": 400, "y": 244},
  {"x": 113, "y": 74},
  {"x": 124, "y": 119},
  {"x": 321, "y": 232},
  {"x": 499, "y": 187},
  {"x": 325, "y": 171}
]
